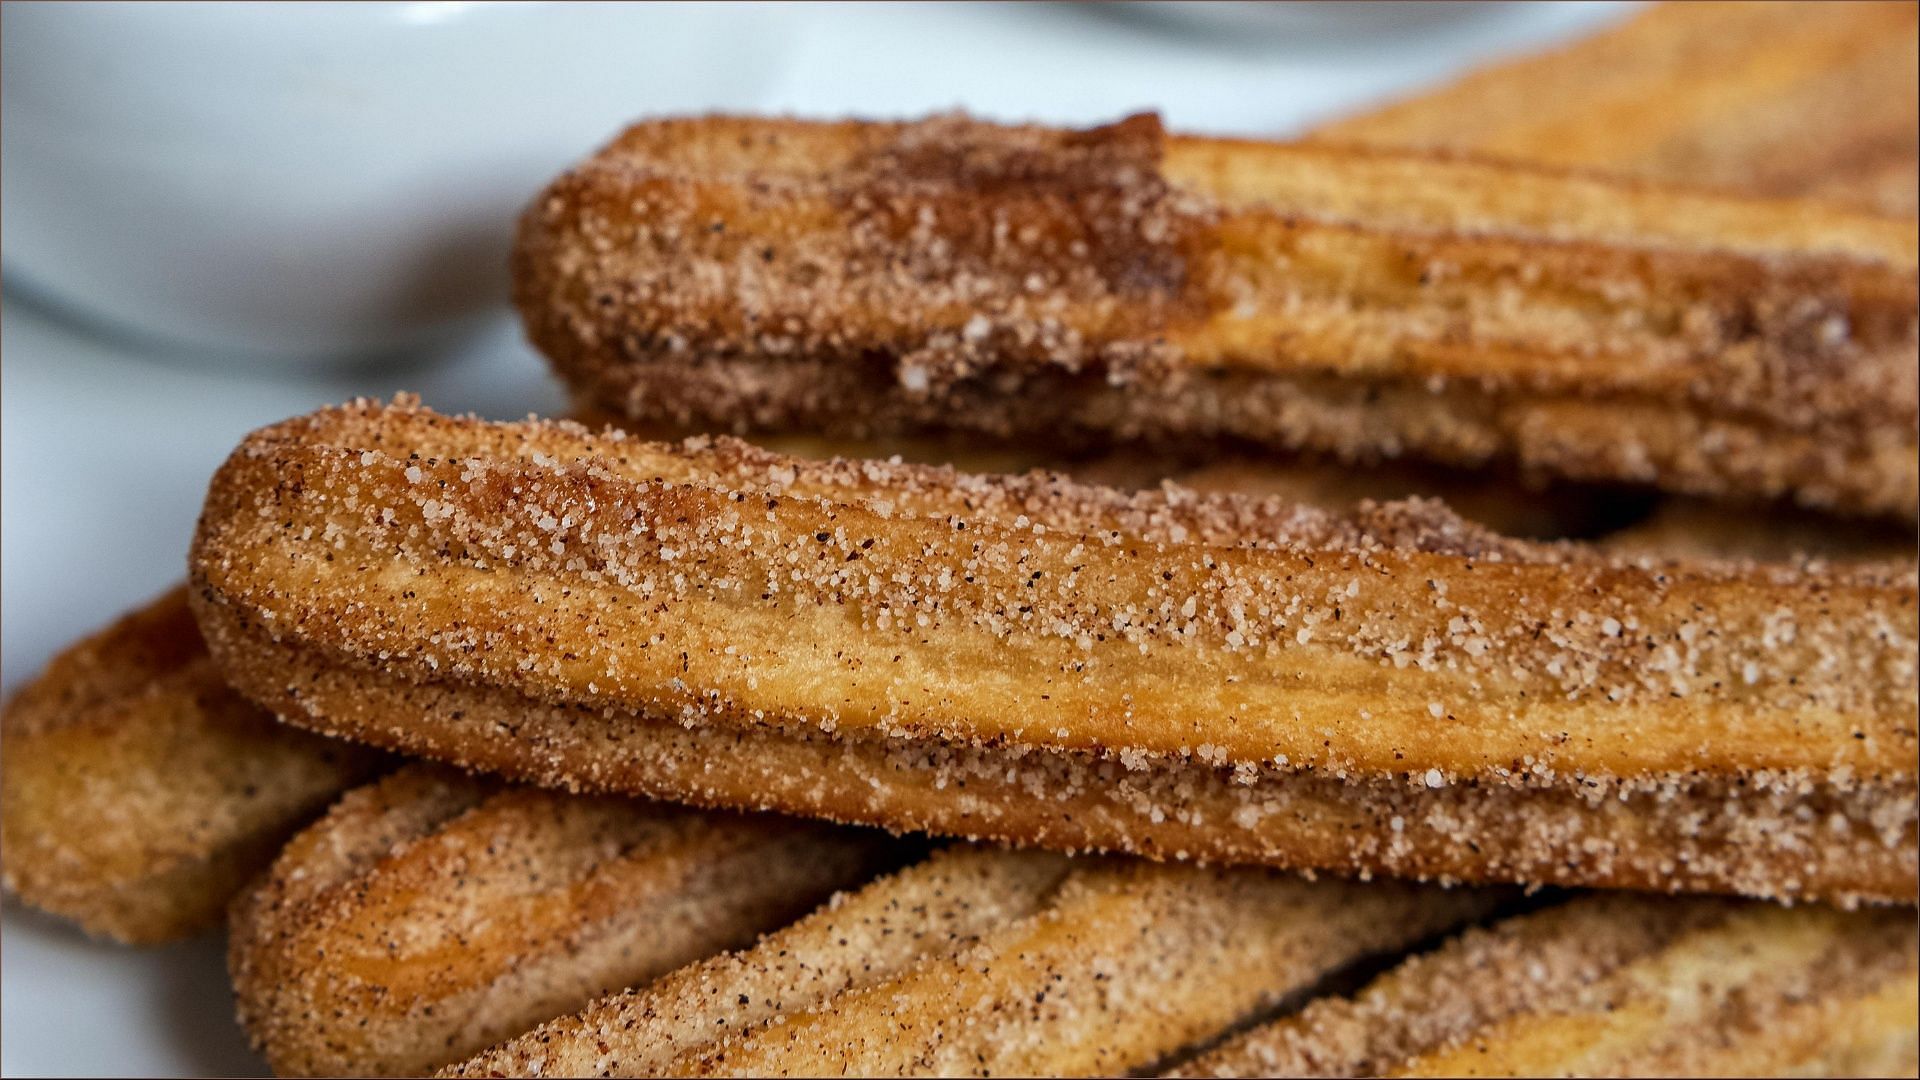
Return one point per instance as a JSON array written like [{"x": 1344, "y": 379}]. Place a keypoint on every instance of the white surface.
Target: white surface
[
  {"x": 324, "y": 178},
  {"x": 105, "y": 450}
]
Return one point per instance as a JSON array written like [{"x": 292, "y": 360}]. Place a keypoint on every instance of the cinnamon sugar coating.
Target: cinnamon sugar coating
[
  {"x": 1612, "y": 985},
  {"x": 1391, "y": 691},
  {"x": 431, "y": 914},
  {"x": 1619, "y": 986},
  {"x": 1118, "y": 284},
  {"x": 981, "y": 962},
  {"x": 141, "y": 793}
]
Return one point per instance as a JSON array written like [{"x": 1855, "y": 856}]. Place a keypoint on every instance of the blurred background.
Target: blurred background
[{"x": 219, "y": 216}]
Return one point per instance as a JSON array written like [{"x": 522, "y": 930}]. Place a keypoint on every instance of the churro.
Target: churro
[
  {"x": 1119, "y": 285},
  {"x": 1391, "y": 691},
  {"x": 982, "y": 962},
  {"x": 1779, "y": 98},
  {"x": 141, "y": 792},
  {"x": 1613, "y": 985},
  {"x": 430, "y": 915}
]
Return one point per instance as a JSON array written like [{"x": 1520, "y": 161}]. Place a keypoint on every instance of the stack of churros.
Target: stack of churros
[
  {"x": 1189, "y": 607},
  {"x": 1118, "y": 285}
]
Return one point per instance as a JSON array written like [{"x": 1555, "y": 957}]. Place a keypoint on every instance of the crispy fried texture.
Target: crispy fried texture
[
  {"x": 431, "y": 914},
  {"x": 140, "y": 792},
  {"x": 1114, "y": 285},
  {"x": 1619, "y": 986},
  {"x": 1392, "y": 691},
  {"x": 1778, "y": 98},
  {"x": 990, "y": 963}
]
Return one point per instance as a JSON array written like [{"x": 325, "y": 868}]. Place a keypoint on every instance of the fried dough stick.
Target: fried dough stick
[
  {"x": 431, "y": 914},
  {"x": 1117, "y": 285},
  {"x": 1023, "y": 658},
  {"x": 1612, "y": 985},
  {"x": 141, "y": 792},
  {"x": 984, "y": 962},
  {"x": 1776, "y": 98}
]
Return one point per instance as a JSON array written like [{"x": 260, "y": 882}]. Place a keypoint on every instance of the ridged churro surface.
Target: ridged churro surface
[
  {"x": 141, "y": 792},
  {"x": 1391, "y": 691},
  {"x": 1612, "y": 985},
  {"x": 991, "y": 963},
  {"x": 1781, "y": 98},
  {"x": 432, "y": 914},
  {"x": 1117, "y": 284}
]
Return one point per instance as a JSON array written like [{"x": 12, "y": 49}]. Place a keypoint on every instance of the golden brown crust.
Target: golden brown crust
[
  {"x": 430, "y": 915},
  {"x": 1778, "y": 98},
  {"x": 1117, "y": 285},
  {"x": 1618, "y": 986},
  {"x": 1392, "y": 691},
  {"x": 141, "y": 792},
  {"x": 992, "y": 963}
]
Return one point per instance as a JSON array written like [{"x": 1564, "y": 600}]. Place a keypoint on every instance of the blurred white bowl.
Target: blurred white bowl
[
  {"x": 1270, "y": 19},
  {"x": 326, "y": 180}
]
